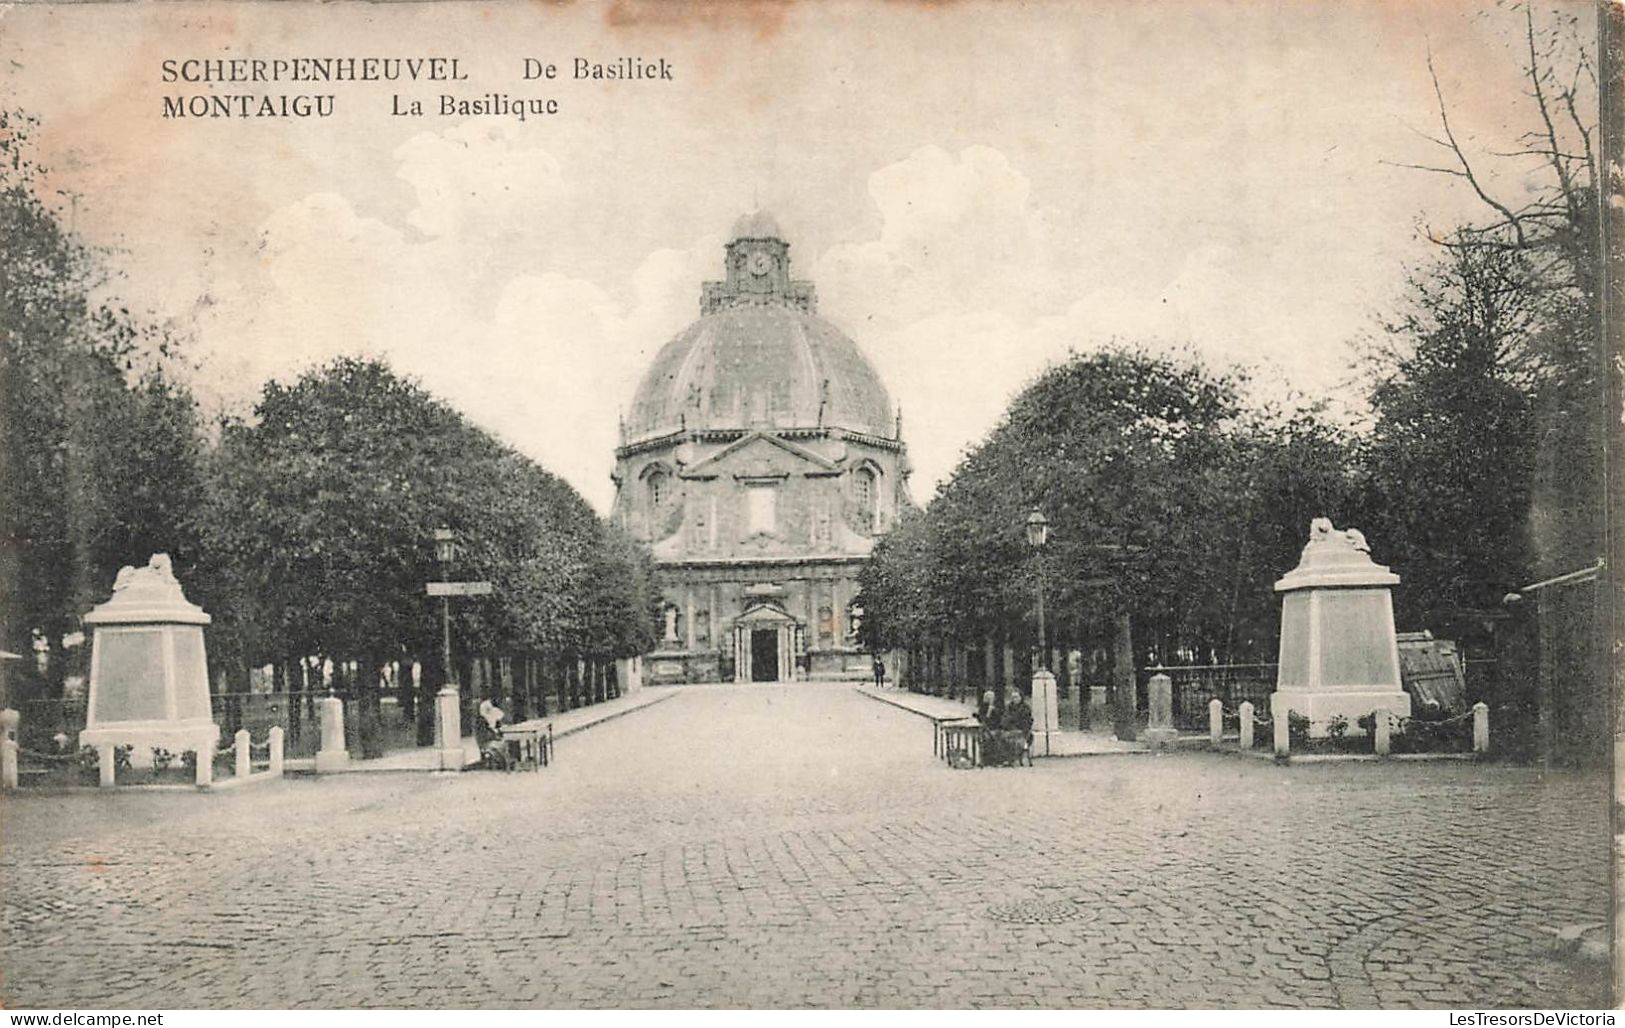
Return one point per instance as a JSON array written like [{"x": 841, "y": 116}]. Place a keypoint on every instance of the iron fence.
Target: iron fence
[{"x": 1196, "y": 685}]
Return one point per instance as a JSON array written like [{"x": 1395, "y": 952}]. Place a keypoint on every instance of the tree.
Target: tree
[
  {"x": 102, "y": 455},
  {"x": 1541, "y": 241},
  {"x": 1169, "y": 499},
  {"x": 320, "y": 533},
  {"x": 1451, "y": 459},
  {"x": 1510, "y": 364}
]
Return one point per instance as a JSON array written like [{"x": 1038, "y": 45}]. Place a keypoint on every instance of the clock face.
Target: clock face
[{"x": 760, "y": 264}]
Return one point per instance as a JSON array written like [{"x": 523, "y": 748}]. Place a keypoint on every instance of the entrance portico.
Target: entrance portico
[{"x": 768, "y": 644}]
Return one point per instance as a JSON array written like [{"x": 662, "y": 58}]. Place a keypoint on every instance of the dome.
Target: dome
[
  {"x": 756, "y": 225},
  {"x": 760, "y": 366},
  {"x": 759, "y": 356}
]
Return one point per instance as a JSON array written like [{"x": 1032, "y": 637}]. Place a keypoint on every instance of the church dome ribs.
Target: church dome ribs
[{"x": 759, "y": 357}]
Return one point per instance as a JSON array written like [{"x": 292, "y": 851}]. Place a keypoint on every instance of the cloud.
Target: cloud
[
  {"x": 479, "y": 177},
  {"x": 959, "y": 296},
  {"x": 952, "y": 226},
  {"x": 539, "y": 356}
]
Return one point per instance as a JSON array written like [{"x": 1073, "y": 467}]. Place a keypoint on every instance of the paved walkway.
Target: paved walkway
[
  {"x": 427, "y": 758},
  {"x": 797, "y": 845},
  {"x": 1064, "y": 743}
]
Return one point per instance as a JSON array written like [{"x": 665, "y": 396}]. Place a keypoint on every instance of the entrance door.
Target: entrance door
[{"x": 764, "y": 655}]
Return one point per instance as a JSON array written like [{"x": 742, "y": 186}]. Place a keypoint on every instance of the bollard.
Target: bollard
[
  {"x": 1246, "y": 726},
  {"x": 9, "y": 720},
  {"x": 1161, "y": 731},
  {"x": 1282, "y": 723},
  {"x": 1481, "y": 728},
  {"x": 104, "y": 761},
  {"x": 245, "y": 758},
  {"x": 276, "y": 751},
  {"x": 448, "y": 729},
  {"x": 205, "y": 766},
  {"x": 1381, "y": 729},
  {"x": 1215, "y": 721},
  {"x": 1046, "y": 716},
  {"x": 333, "y": 755}
]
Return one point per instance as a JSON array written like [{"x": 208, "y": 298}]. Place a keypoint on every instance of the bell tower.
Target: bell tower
[
  {"x": 758, "y": 267},
  {"x": 756, "y": 271}
]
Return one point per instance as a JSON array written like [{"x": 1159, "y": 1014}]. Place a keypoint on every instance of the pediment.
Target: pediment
[
  {"x": 760, "y": 455},
  {"x": 770, "y": 613}
]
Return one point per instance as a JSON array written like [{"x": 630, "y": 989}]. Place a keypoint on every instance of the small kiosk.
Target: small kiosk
[{"x": 149, "y": 680}]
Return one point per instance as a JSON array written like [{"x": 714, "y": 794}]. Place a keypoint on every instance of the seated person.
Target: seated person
[
  {"x": 488, "y": 733},
  {"x": 1011, "y": 734},
  {"x": 1018, "y": 716}
]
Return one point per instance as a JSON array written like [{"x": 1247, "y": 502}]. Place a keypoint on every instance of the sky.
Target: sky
[{"x": 976, "y": 189}]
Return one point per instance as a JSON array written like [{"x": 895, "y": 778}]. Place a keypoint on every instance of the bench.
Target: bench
[
  {"x": 958, "y": 741},
  {"x": 528, "y": 744}
]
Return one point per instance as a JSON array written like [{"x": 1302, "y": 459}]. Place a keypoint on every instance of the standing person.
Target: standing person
[{"x": 879, "y": 667}]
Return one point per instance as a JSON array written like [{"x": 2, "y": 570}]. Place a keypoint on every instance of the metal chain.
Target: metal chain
[{"x": 62, "y": 758}]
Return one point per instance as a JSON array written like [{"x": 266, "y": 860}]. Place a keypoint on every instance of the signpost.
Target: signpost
[
  {"x": 459, "y": 588},
  {"x": 448, "y": 705}
]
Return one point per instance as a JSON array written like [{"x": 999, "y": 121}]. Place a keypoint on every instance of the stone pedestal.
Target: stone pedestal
[
  {"x": 629, "y": 673},
  {"x": 203, "y": 775},
  {"x": 448, "y": 729},
  {"x": 9, "y": 720},
  {"x": 334, "y": 755},
  {"x": 149, "y": 684},
  {"x": 107, "y": 765},
  {"x": 1339, "y": 655},
  {"x": 1160, "y": 731},
  {"x": 276, "y": 751},
  {"x": 1046, "y": 715}
]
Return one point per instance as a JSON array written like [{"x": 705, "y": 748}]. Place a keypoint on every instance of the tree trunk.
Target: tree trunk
[
  {"x": 1125, "y": 708},
  {"x": 431, "y": 674},
  {"x": 372, "y": 718},
  {"x": 406, "y": 690}
]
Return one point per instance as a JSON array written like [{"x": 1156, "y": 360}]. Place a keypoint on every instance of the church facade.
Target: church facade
[{"x": 759, "y": 461}]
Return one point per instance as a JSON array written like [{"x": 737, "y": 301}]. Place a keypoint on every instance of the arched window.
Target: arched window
[
  {"x": 863, "y": 496},
  {"x": 658, "y": 488}
]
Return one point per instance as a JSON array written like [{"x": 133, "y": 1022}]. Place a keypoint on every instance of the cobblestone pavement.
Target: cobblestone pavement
[{"x": 798, "y": 846}]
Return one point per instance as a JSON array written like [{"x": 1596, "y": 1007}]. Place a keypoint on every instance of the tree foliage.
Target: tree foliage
[
  {"x": 1167, "y": 497},
  {"x": 323, "y": 514},
  {"x": 101, "y": 449},
  {"x": 307, "y": 530},
  {"x": 1512, "y": 305}
]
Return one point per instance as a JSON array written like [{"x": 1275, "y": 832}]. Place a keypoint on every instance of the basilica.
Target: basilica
[{"x": 759, "y": 461}]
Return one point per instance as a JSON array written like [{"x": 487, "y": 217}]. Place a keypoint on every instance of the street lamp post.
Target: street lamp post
[
  {"x": 448, "y": 705},
  {"x": 445, "y": 548},
  {"x": 1046, "y": 723},
  {"x": 1037, "y": 536}
]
